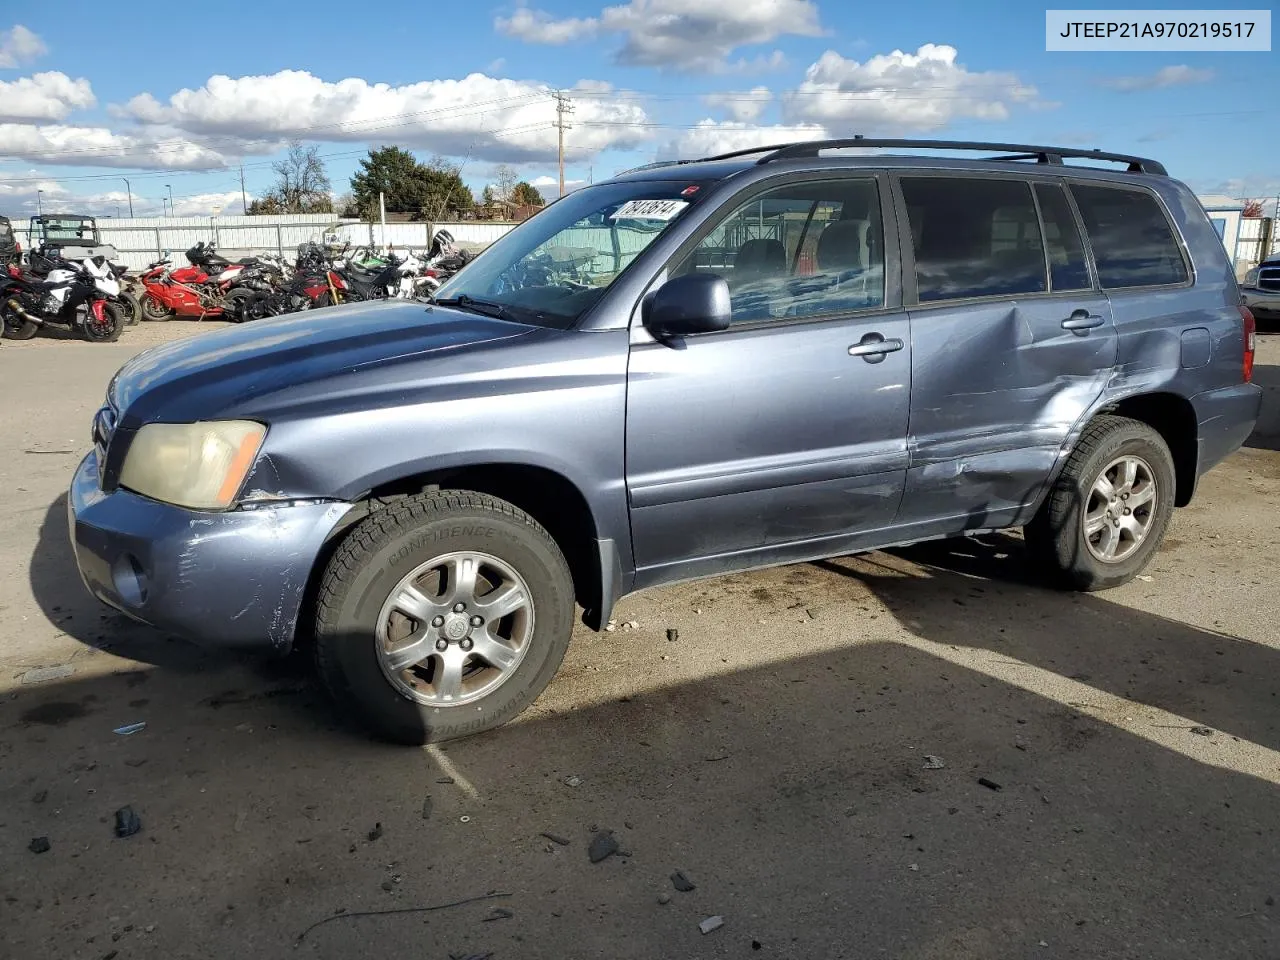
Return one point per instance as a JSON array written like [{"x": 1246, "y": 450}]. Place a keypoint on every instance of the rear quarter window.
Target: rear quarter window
[{"x": 1133, "y": 243}]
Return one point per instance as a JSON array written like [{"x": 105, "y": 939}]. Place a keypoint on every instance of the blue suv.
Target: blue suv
[{"x": 760, "y": 358}]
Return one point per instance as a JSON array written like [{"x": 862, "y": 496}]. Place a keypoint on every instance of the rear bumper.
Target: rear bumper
[
  {"x": 1225, "y": 418},
  {"x": 232, "y": 579}
]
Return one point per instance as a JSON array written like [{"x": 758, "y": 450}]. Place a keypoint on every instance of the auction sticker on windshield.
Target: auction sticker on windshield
[{"x": 649, "y": 210}]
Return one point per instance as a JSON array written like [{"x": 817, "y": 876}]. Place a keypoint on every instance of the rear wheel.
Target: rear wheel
[
  {"x": 16, "y": 327},
  {"x": 130, "y": 308},
  {"x": 442, "y": 616},
  {"x": 1109, "y": 509},
  {"x": 153, "y": 309},
  {"x": 106, "y": 330},
  {"x": 234, "y": 304}
]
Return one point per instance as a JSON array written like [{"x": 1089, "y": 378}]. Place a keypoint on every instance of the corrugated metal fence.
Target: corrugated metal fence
[{"x": 142, "y": 240}]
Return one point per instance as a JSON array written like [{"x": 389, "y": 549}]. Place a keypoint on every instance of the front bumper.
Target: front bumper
[
  {"x": 233, "y": 579},
  {"x": 1264, "y": 304}
]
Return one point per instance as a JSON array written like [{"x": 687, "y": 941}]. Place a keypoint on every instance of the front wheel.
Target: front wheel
[
  {"x": 106, "y": 330},
  {"x": 442, "y": 616},
  {"x": 1109, "y": 509},
  {"x": 153, "y": 309}
]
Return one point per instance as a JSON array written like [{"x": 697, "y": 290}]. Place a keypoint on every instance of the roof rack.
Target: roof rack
[{"x": 1011, "y": 151}]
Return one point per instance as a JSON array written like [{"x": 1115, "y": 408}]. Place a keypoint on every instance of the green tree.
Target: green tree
[
  {"x": 393, "y": 172},
  {"x": 526, "y": 194},
  {"x": 487, "y": 197}
]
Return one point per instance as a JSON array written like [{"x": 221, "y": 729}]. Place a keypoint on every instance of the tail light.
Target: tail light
[{"x": 1250, "y": 341}]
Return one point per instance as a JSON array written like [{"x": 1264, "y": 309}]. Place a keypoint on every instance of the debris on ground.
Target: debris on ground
[
  {"x": 933, "y": 763},
  {"x": 573, "y": 781},
  {"x": 464, "y": 819},
  {"x": 603, "y": 844},
  {"x": 40, "y": 796},
  {"x": 555, "y": 838},
  {"x": 444, "y": 779},
  {"x": 711, "y": 923},
  {"x": 611, "y": 626},
  {"x": 499, "y": 913},
  {"x": 400, "y": 910},
  {"x": 672, "y": 634},
  {"x": 130, "y": 728},
  {"x": 45, "y": 674},
  {"x": 664, "y": 898},
  {"x": 989, "y": 784},
  {"x": 387, "y": 885},
  {"x": 426, "y": 808},
  {"x": 376, "y": 832},
  {"x": 1202, "y": 731},
  {"x": 127, "y": 822},
  {"x": 682, "y": 883},
  {"x": 755, "y": 944},
  {"x": 1144, "y": 578},
  {"x": 39, "y": 845}
]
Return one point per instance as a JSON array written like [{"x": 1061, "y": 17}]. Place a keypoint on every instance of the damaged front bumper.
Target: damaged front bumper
[{"x": 234, "y": 579}]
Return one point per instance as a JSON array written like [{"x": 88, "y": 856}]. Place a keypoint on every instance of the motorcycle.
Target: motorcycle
[
  {"x": 80, "y": 297},
  {"x": 200, "y": 290}
]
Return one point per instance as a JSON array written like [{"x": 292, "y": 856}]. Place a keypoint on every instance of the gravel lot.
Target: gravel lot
[{"x": 775, "y": 752}]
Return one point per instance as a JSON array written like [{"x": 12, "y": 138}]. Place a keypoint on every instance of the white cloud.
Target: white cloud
[
  {"x": 711, "y": 137},
  {"x": 688, "y": 35},
  {"x": 743, "y": 106},
  {"x": 549, "y": 187},
  {"x": 43, "y": 96},
  {"x": 902, "y": 92},
  {"x": 481, "y": 117},
  {"x": 534, "y": 26},
  {"x": 19, "y": 46},
  {"x": 22, "y": 198},
  {"x": 1172, "y": 76},
  {"x": 100, "y": 147}
]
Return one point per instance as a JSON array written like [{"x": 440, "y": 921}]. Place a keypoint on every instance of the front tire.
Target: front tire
[
  {"x": 130, "y": 308},
  {"x": 108, "y": 331},
  {"x": 1109, "y": 509},
  {"x": 442, "y": 616},
  {"x": 153, "y": 309}
]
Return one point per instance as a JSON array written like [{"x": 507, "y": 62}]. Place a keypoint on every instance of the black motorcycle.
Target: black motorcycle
[{"x": 75, "y": 296}]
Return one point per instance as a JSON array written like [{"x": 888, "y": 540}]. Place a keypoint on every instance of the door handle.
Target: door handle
[
  {"x": 1082, "y": 320},
  {"x": 873, "y": 347}
]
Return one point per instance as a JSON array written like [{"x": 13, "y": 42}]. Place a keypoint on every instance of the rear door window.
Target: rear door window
[
  {"x": 974, "y": 237},
  {"x": 1132, "y": 241}
]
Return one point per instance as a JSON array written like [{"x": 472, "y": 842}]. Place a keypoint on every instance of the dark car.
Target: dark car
[
  {"x": 773, "y": 356},
  {"x": 1260, "y": 291}
]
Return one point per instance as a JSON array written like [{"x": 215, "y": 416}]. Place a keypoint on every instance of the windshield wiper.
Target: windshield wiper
[{"x": 484, "y": 307}]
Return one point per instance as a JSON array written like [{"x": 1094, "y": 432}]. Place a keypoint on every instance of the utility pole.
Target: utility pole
[
  {"x": 244, "y": 201},
  {"x": 129, "y": 190},
  {"x": 563, "y": 106},
  {"x": 170, "y": 189}
]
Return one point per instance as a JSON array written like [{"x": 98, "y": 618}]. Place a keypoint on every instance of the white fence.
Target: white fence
[
  {"x": 142, "y": 240},
  {"x": 1259, "y": 239}
]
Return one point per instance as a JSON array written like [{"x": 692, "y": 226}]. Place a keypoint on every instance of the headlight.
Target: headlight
[
  {"x": 197, "y": 465},
  {"x": 1251, "y": 278}
]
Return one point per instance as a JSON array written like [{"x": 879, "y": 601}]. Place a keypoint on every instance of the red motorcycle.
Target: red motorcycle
[{"x": 198, "y": 290}]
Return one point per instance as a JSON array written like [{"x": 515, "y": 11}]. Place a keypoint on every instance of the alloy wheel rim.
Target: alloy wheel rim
[
  {"x": 1120, "y": 509},
  {"x": 454, "y": 629}
]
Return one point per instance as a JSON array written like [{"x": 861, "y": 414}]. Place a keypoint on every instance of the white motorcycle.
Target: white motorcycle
[{"x": 78, "y": 296}]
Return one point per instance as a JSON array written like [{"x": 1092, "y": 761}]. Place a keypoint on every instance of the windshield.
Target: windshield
[
  {"x": 65, "y": 228},
  {"x": 556, "y": 265}
]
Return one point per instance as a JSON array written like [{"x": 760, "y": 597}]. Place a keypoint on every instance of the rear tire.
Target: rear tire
[
  {"x": 130, "y": 308},
  {"x": 481, "y": 677},
  {"x": 15, "y": 327},
  {"x": 1109, "y": 509},
  {"x": 109, "y": 330},
  {"x": 234, "y": 305}
]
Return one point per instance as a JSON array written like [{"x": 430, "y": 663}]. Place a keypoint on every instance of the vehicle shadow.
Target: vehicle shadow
[
  {"x": 1266, "y": 435},
  {"x": 795, "y": 794},
  {"x": 983, "y": 592}
]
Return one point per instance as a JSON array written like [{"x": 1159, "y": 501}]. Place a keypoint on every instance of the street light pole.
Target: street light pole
[
  {"x": 129, "y": 190},
  {"x": 170, "y": 189},
  {"x": 40, "y": 203}
]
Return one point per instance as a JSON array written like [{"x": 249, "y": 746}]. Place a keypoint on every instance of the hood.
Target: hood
[{"x": 323, "y": 354}]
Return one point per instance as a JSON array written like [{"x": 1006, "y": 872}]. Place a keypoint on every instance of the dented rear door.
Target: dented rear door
[{"x": 1001, "y": 371}]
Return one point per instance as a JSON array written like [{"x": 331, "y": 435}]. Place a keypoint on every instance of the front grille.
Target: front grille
[{"x": 1269, "y": 278}]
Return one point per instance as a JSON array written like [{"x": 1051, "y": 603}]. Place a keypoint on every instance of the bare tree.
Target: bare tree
[
  {"x": 302, "y": 185},
  {"x": 504, "y": 181}
]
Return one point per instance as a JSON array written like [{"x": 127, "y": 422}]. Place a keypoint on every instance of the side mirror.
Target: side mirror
[{"x": 693, "y": 303}]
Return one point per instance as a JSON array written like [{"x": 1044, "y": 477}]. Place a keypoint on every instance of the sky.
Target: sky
[{"x": 179, "y": 105}]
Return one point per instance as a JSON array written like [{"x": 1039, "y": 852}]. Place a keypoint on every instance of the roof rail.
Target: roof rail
[{"x": 1013, "y": 151}]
